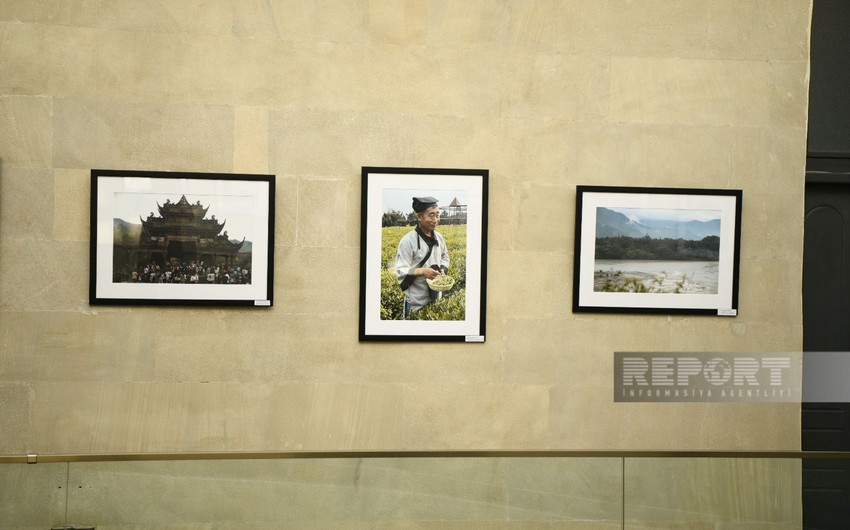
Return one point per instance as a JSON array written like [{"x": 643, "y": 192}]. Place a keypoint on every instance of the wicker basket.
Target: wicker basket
[{"x": 441, "y": 288}]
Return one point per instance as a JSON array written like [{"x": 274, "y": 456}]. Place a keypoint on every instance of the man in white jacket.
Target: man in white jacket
[{"x": 422, "y": 253}]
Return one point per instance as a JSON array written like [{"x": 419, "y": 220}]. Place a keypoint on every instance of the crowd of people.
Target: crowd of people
[{"x": 193, "y": 272}]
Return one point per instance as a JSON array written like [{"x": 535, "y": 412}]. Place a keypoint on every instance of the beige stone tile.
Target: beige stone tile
[
  {"x": 460, "y": 142},
  {"x": 260, "y": 72},
  {"x": 761, "y": 31},
  {"x": 545, "y": 351},
  {"x": 461, "y": 24},
  {"x": 272, "y": 72},
  {"x": 448, "y": 363},
  {"x": 560, "y": 87},
  {"x": 666, "y": 426},
  {"x": 74, "y": 346},
  {"x": 698, "y": 92},
  {"x": 403, "y": 22},
  {"x": 33, "y": 496},
  {"x": 319, "y": 143},
  {"x": 753, "y": 31},
  {"x": 501, "y": 229},
  {"x": 26, "y": 135},
  {"x": 542, "y": 211},
  {"x": 313, "y": 348},
  {"x": 771, "y": 291},
  {"x": 772, "y": 336},
  {"x": 26, "y": 203},
  {"x": 346, "y": 22},
  {"x": 768, "y": 160},
  {"x": 425, "y": 81},
  {"x": 262, "y": 346},
  {"x": 121, "y": 417},
  {"x": 564, "y": 352},
  {"x": 53, "y": 12},
  {"x": 100, "y": 133},
  {"x": 654, "y": 155},
  {"x": 712, "y": 490},
  {"x": 492, "y": 416},
  {"x": 322, "y": 219},
  {"x": 258, "y": 19},
  {"x": 769, "y": 223},
  {"x": 613, "y": 28},
  {"x": 71, "y": 207},
  {"x": 173, "y": 68},
  {"x": 62, "y": 280},
  {"x": 533, "y": 25},
  {"x": 323, "y": 76},
  {"x": 529, "y": 285},
  {"x": 15, "y": 401},
  {"x": 154, "y": 417},
  {"x": 196, "y": 17},
  {"x": 579, "y": 489},
  {"x": 540, "y": 151},
  {"x": 320, "y": 417},
  {"x": 354, "y": 208},
  {"x": 295, "y": 21},
  {"x": 515, "y": 150},
  {"x": 47, "y": 59},
  {"x": 633, "y": 333},
  {"x": 790, "y": 84},
  {"x": 710, "y": 333},
  {"x": 251, "y": 140},
  {"x": 286, "y": 215}
]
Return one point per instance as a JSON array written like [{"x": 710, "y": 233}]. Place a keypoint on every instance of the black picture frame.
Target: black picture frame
[
  {"x": 171, "y": 249},
  {"x": 459, "y": 314},
  {"x": 657, "y": 250}
]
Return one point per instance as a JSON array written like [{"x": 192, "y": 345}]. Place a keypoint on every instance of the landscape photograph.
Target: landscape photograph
[{"x": 655, "y": 250}]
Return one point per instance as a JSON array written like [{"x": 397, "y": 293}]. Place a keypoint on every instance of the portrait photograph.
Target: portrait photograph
[
  {"x": 657, "y": 250},
  {"x": 163, "y": 238},
  {"x": 423, "y": 254}
]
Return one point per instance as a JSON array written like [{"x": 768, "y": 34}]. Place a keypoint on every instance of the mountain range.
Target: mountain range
[{"x": 611, "y": 224}]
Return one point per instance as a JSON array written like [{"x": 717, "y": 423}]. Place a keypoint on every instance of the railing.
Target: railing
[{"x": 411, "y": 489}]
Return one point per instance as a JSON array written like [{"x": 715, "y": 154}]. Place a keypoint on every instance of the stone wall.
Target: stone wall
[{"x": 546, "y": 94}]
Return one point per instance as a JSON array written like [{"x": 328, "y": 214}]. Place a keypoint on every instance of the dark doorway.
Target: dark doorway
[
  {"x": 182, "y": 251},
  {"x": 826, "y": 327},
  {"x": 826, "y": 258}
]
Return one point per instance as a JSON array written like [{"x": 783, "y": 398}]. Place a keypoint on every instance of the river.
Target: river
[{"x": 694, "y": 277}]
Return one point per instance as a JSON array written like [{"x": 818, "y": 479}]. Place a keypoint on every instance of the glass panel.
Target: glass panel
[
  {"x": 32, "y": 495},
  {"x": 732, "y": 493},
  {"x": 477, "y": 492}
]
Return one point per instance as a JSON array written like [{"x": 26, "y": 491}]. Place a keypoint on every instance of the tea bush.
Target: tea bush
[{"x": 452, "y": 305}]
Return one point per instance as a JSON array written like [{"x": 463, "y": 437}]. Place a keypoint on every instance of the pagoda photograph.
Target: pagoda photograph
[{"x": 179, "y": 242}]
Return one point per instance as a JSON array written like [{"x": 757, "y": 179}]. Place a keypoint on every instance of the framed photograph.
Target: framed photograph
[
  {"x": 657, "y": 250},
  {"x": 167, "y": 238},
  {"x": 423, "y": 255}
]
